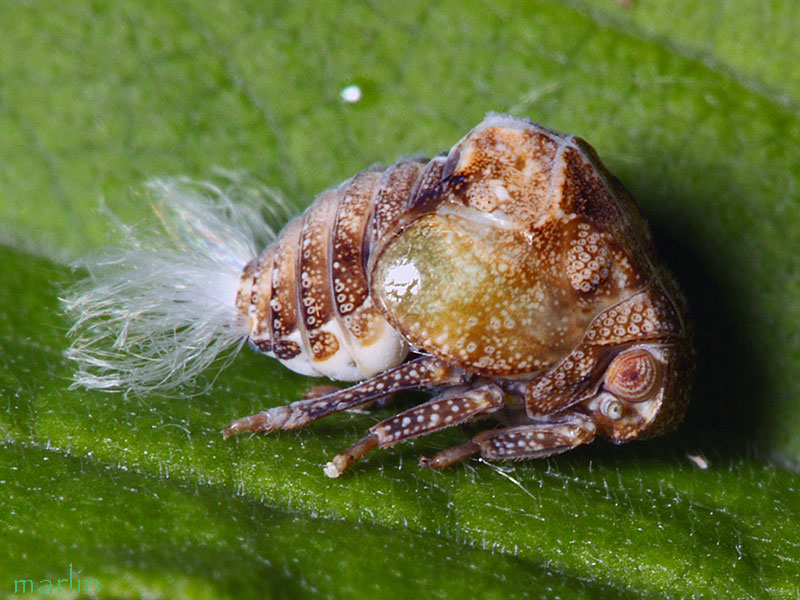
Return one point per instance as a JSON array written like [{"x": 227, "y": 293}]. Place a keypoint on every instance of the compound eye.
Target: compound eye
[
  {"x": 633, "y": 375},
  {"x": 611, "y": 408}
]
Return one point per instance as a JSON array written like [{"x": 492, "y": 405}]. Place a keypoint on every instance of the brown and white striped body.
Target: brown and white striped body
[
  {"x": 514, "y": 274},
  {"x": 515, "y": 269},
  {"x": 308, "y": 296}
]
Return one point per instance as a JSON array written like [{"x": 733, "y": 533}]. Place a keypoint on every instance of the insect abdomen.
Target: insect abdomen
[{"x": 307, "y": 295}]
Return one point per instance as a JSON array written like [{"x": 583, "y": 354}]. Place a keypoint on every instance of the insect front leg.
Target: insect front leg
[
  {"x": 453, "y": 407},
  {"x": 546, "y": 437},
  {"x": 420, "y": 372}
]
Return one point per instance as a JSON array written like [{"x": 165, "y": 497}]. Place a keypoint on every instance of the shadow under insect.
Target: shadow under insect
[{"x": 726, "y": 410}]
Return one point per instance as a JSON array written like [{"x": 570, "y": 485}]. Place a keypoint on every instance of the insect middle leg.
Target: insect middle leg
[
  {"x": 453, "y": 407},
  {"x": 541, "y": 438},
  {"x": 420, "y": 372}
]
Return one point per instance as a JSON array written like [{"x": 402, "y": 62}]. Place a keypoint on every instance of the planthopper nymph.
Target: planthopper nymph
[{"x": 513, "y": 276}]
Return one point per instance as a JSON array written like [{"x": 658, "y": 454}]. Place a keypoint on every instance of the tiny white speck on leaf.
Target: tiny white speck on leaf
[
  {"x": 700, "y": 461},
  {"x": 351, "y": 94}
]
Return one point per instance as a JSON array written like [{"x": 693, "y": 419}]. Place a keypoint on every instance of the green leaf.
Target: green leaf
[{"x": 693, "y": 105}]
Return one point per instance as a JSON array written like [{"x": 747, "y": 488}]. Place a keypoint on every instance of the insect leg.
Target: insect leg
[
  {"x": 420, "y": 372},
  {"x": 539, "y": 439},
  {"x": 453, "y": 407},
  {"x": 318, "y": 391}
]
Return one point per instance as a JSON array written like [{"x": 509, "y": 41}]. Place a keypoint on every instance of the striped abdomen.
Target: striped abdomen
[{"x": 307, "y": 295}]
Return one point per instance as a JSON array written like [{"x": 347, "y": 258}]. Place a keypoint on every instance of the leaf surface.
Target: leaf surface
[{"x": 687, "y": 104}]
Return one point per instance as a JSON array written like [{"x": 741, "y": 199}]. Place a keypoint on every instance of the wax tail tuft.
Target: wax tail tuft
[{"x": 157, "y": 310}]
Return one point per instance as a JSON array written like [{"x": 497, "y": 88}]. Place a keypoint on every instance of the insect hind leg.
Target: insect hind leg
[
  {"x": 318, "y": 391},
  {"x": 420, "y": 372}
]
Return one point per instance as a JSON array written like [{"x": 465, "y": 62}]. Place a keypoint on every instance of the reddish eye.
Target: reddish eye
[{"x": 633, "y": 375}]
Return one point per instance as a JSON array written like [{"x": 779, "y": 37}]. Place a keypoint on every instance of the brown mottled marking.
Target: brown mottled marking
[
  {"x": 504, "y": 168},
  {"x": 360, "y": 320},
  {"x": 423, "y": 371},
  {"x": 391, "y": 200},
  {"x": 647, "y": 315},
  {"x": 445, "y": 410},
  {"x": 260, "y": 296},
  {"x": 350, "y": 286},
  {"x": 323, "y": 344},
  {"x": 537, "y": 439},
  {"x": 484, "y": 300},
  {"x": 587, "y": 260},
  {"x": 586, "y": 191},
  {"x": 573, "y": 380},
  {"x": 429, "y": 185},
  {"x": 254, "y": 299},
  {"x": 316, "y": 302},
  {"x": 283, "y": 304}
]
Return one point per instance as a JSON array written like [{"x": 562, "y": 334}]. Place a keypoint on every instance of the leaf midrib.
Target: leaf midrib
[{"x": 754, "y": 85}]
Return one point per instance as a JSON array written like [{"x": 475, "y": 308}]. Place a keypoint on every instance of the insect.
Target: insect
[{"x": 513, "y": 275}]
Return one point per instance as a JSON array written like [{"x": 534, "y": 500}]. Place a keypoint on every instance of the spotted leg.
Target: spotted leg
[
  {"x": 453, "y": 407},
  {"x": 542, "y": 438},
  {"x": 318, "y": 391},
  {"x": 420, "y": 372}
]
